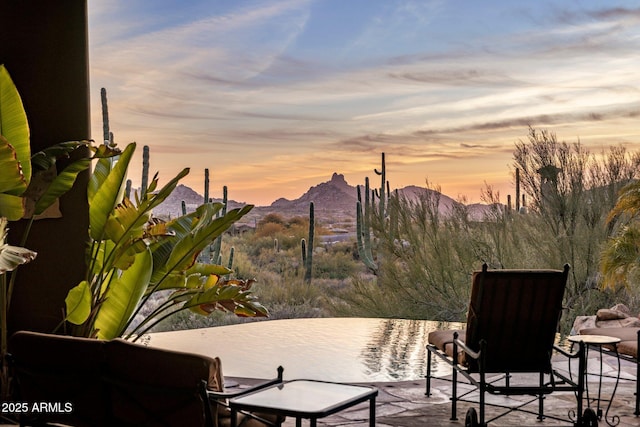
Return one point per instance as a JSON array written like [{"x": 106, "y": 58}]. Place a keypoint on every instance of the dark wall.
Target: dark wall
[{"x": 43, "y": 45}]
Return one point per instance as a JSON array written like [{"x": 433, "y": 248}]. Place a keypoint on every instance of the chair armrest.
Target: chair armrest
[
  {"x": 217, "y": 396},
  {"x": 566, "y": 353},
  {"x": 467, "y": 350}
]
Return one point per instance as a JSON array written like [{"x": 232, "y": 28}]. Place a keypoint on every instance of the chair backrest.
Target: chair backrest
[
  {"x": 107, "y": 383},
  {"x": 516, "y": 313},
  {"x": 63, "y": 369},
  {"x": 151, "y": 386}
]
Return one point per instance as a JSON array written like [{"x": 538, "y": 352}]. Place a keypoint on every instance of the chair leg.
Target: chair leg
[
  {"x": 482, "y": 390},
  {"x": 637, "y": 411},
  {"x": 541, "y": 399},
  {"x": 428, "y": 389},
  {"x": 454, "y": 385}
]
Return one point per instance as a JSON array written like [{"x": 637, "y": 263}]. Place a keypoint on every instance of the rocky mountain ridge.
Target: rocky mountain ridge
[{"x": 334, "y": 201}]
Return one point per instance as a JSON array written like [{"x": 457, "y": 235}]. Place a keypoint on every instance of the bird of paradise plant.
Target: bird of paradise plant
[
  {"x": 124, "y": 239},
  {"x": 132, "y": 256},
  {"x": 28, "y": 187}
]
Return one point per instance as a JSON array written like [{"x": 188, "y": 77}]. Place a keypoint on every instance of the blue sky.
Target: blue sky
[{"x": 273, "y": 96}]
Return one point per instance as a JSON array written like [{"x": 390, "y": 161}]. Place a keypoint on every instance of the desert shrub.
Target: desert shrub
[
  {"x": 425, "y": 264},
  {"x": 334, "y": 265},
  {"x": 270, "y": 229}
]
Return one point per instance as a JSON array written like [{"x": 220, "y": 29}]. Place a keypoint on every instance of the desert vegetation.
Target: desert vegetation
[{"x": 424, "y": 255}]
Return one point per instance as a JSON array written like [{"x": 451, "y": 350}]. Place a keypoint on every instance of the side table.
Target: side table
[
  {"x": 598, "y": 342},
  {"x": 308, "y": 399}
]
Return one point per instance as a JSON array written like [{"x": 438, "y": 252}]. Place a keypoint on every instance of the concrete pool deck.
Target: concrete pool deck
[{"x": 404, "y": 404}]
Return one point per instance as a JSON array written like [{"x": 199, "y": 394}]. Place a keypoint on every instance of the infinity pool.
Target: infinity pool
[{"x": 331, "y": 349}]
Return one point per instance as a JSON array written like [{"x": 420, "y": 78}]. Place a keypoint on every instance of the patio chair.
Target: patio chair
[
  {"x": 511, "y": 327},
  {"x": 89, "y": 382}
]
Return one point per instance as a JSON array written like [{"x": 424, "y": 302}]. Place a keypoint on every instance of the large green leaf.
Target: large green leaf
[
  {"x": 78, "y": 303},
  {"x": 60, "y": 185},
  {"x": 152, "y": 200},
  {"x": 11, "y": 207},
  {"x": 181, "y": 227},
  {"x": 11, "y": 178},
  {"x": 229, "y": 298},
  {"x": 49, "y": 156},
  {"x": 187, "y": 248},
  {"x": 128, "y": 222},
  {"x": 122, "y": 297},
  {"x": 192, "y": 277},
  {"x": 106, "y": 190},
  {"x": 14, "y": 125}
]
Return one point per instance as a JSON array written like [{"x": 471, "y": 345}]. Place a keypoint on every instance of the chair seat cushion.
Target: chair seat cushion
[{"x": 443, "y": 340}]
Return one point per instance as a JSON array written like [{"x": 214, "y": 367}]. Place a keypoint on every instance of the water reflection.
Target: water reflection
[
  {"x": 397, "y": 349},
  {"x": 331, "y": 349}
]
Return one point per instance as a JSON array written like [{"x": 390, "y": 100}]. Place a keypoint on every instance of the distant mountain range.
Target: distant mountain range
[{"x": 334, "y": 201}]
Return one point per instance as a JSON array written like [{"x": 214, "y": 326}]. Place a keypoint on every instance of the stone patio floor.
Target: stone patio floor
[{"x": 404, "y": 404}]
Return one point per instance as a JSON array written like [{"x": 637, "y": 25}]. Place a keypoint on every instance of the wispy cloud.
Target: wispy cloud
[{"x": 281, "y": 93}]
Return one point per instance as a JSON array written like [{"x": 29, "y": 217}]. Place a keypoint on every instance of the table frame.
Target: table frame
[
  {"x": 369, "y": 393},
  {"x": 598, "y": 342}
]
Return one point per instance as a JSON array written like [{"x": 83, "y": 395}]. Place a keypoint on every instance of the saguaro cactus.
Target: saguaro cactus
[
  {"x": 364, "y": 212},
  {"x": 105, "y": 116},
  {"x": 363, "y": 231},
  {"x": 383, "y": 184},
  {"x": 145, "y": 169},
  {"x": 217, "y": 244},
  {"x": 127, "y": 189},
  {"x": 308, "y": 262},
  {"x": 206, "y": 185}
]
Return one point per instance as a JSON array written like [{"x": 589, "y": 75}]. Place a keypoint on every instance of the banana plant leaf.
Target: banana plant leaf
[
  {"x": 60, "y": 185},
  {"x": 11, "y": 180},
  {"x": 11, "y": 176},
  {"x": 179, "y": 227},
  {"x": 126, "y": 222},
  {"x": 231, "y": 298},
  {"x": 191, "y": 278},
  {"x": 47, "y": 157},
  {"x": 122, "y": 297},
  {"x": 148, "y": 203},
  {"x": 106, "y": 188},
  {"x": 78, "y": 303},
  {"x": 11, "y": 207},
  {"x": 186, "y": 250},
  {"x": 14, "y": 127}
]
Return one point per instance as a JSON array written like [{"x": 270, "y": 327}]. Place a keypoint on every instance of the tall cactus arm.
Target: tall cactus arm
[{"x": 364, "y": 250}]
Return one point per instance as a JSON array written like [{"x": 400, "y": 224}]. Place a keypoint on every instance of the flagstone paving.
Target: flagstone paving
[{"x": 404, "y": 404}]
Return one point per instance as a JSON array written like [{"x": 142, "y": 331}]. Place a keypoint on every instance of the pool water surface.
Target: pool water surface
[{"x": 330, "y": 349}]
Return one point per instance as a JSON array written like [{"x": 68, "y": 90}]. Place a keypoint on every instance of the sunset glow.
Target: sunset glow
[{"x": 273, "y": 96}]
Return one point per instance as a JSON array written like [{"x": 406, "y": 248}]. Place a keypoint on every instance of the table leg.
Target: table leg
[
  {"x": 299, "y": 422},
  {"x": 614, "y": 420},
  {"x": 372, "y": 412},
  {"x": 234, "y": 417},
  {"x": 313, "y": 422}
]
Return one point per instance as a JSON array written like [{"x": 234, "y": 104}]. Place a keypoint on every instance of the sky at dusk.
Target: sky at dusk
[{"x": 274, "y": 96}]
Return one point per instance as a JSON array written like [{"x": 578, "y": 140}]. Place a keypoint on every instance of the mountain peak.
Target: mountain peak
[{"x": 338, "y": 178}]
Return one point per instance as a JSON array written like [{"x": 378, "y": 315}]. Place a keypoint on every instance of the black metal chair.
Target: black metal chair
[{"x": 511, "y": 329}]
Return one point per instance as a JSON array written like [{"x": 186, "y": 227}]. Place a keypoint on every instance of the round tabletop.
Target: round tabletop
[{"x": 594, "y": 339}]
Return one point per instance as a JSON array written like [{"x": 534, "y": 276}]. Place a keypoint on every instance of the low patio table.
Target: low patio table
[
  {"x": 598, "y": 341},
  {"x": 308, "y": 399}
]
